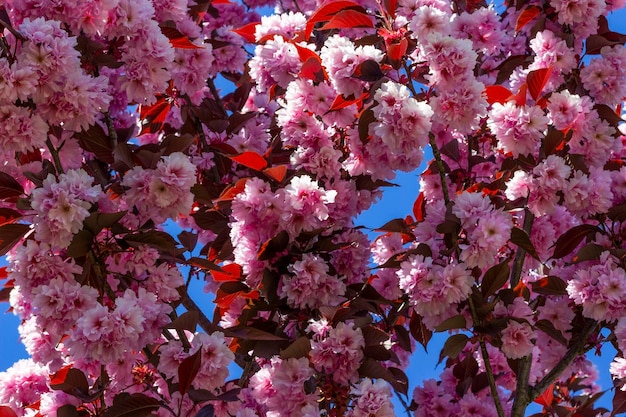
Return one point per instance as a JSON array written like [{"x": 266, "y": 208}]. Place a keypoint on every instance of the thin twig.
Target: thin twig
[
  {"x": 574, "y": 351},
  {"x": 487, "y": 361},
  {"x": 203, "y": 321},
  {"x": 55, "y": 156},
  {"x": 518, "y": 263},
  {"x": 404, "y": 404},
  {"x": 522, "y": 396}
]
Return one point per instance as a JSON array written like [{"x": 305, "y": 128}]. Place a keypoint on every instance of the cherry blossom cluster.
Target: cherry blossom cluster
[{"x": 262, "y": 138}]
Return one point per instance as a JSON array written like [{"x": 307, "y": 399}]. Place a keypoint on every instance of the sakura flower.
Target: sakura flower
[
  {"x": 517, "y": 340},
  {"x": 311, "y": 285}
]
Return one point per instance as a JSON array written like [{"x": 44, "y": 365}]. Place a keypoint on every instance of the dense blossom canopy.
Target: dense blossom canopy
[{"x": 263, "y": 137}]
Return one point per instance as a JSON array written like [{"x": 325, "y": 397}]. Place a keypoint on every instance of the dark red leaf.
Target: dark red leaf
[
  {"x": 366, "y": 117},
  {"x": 153, "y": 116},
  {"x": 96, "y": 141},
  {"x": 326, "y": 11},
  {"x": 206, "y": 411},
  {"x": 400, "y": 381},
  {"x": 155, "y": 238},
  {"x": 497, "y": 94},
  {"x": 494, "y": 279},
  {"x": 546, "y": 398},
  {"x": 232, "y": 191},
  {"x": 187, "y": 371},
  {"x": 228, "y": 273},
  {"x": 395, "y": 226},
  {"x": 74, "y": 380},
  {"x": 549, "y": 285},
  {"x": 6, "y": 411},
  {"x": 59, "y": 377},
  {"x": 341, "y": 103},
  {"x": 8, "y": 215},
  {"x": 419, "y": 207},
  {"x": 10, "y": 235},
  {"x": 186, "y": 321},
  {"x": 203, "y": 264},
  {"x": 247, "y": 31},
  {"x": 595, "y": 43},
  {"x": 348, "y": 19},
  {"x": 453, "y": 323},
  {"x": 369, "y": 71},
  {"x": 298, "y": 349},
  {"x": 272, "y": 246},
  {"x": 453, "y": 346},
  {"x": 237, "y": 120},
  {"x": 250, "y": 159},
  {"x": 419, "y": 331},
  {"x": 548, "y": 328},
  {"x": 537, "y": 80},
  {"x": 313, "y": 70},
  {"x": 390, "y": 7},
  {"x": 177, "y": 39},
  {"x": 251, "y": 333},
  {"x": 526, "y": 16},
  {"x": 133, "y": 405},
  {"x": 10, "y": 189},
  {"x": 396, "y": 51},
  {"x": 569, "y": 240},
  {"x": 522, "y": 240},
  {"x": 277, "y": 173},
  {"x": 619, "y": 402}
]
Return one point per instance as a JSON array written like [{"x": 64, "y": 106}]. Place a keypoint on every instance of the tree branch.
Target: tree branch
[
  {"x": 574, "y": 351},
  {"x": 203, "y": 321},
  {"x": 518, "y": 263},
  {"x": 487, "y": 361}
]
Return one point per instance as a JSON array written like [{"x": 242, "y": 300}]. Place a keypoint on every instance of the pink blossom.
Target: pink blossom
[
  {"x": 427, "y": 20},
  {"x": 339, "y": 354},
  {"x": 279, "y": 385},
  {"x": 22, "y": 385},
  {"x": 275, "y": 62},
  {"x": 517, "y": 340},
  {"x": 306, "y": 205},
  {"x": 371, "y": 398},
  {"x": 519, "y": 130},
  {"x": 311, "y": 285}
]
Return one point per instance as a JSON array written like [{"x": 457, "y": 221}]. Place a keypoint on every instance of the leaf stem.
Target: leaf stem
[{"x": 55, "y": 156}]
